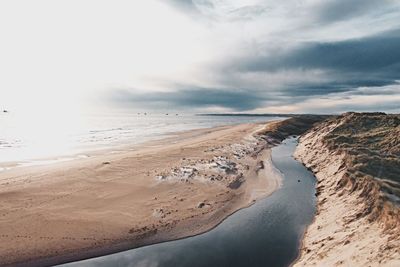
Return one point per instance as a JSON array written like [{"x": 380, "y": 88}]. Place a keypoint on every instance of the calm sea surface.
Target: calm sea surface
[{"x": 42, "y": 139}]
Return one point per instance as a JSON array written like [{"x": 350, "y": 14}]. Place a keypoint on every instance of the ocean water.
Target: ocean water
[{"x": 39, "y": 139}]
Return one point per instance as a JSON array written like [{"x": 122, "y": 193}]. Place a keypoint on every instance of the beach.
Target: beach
[
  {"x": 161, "y": 190},
  {"x": 200, "y": 133}
]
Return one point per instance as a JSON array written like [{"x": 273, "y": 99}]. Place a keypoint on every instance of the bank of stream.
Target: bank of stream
[{"x": 266, "y": 234}]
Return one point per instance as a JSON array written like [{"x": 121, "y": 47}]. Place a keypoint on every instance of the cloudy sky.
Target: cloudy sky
[{"x": 201, "y": 55}]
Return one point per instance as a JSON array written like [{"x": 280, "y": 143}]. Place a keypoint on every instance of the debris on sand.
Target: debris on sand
[
  {"x": 201, "y": 205},
  {"x": 260, "y": 166},
  {"x": 237, "y": 182},
  {"x": 225, "y": 165}
]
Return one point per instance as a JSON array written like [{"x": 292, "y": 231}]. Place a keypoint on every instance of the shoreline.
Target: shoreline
[
  {"x": 126, "y": 145},
  {"x": 301, "y": 244},
  {"x": 221, "y": 198},
  {"x": 104, "y": 252},
  {"x": 127, "y": 247},
  {"x": 100, "y": 151}
]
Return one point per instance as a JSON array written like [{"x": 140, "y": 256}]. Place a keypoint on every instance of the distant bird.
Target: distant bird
[
  {"x": 5, "y": 111},
  {"x": 176, "y": 114},
  {"x": 166, "y": 114}
]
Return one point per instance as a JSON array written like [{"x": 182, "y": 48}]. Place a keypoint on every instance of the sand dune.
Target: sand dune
[{"x": 356, "y": 160}]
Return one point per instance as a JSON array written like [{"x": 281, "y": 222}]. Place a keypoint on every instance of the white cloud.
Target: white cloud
[
  {"x": 65, "y": 54},
  {"x": 56, "y": 52}
]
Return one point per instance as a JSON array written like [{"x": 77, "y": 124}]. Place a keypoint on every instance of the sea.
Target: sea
[{"x": 43, "y": 139}]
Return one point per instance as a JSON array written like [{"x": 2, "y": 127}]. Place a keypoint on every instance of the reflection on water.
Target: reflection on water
[
  {"x": 265, "y": 234},
  {"x": 27, "y": 137}
]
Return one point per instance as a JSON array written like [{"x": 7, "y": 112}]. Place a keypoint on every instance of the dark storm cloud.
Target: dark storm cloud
[
  {"x": 273, "y": 66},
  {"x": 239, "y": 100},
  {"x": 367, "y": 62},
  {"x": 369, "y": 54},
  {"x": 371, "y": 61},
  {"x": 339, "y": 10}
]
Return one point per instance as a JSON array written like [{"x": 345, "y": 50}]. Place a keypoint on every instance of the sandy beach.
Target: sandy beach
[{"x": 162, "y": 190}]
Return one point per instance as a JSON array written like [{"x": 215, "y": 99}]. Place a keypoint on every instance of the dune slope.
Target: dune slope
[{"x": 356, "y": 159}]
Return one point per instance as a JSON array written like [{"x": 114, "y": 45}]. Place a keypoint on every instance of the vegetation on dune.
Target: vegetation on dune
[
  {"x": 296, "y": 125},
  {"x": 370, "y": 143}
]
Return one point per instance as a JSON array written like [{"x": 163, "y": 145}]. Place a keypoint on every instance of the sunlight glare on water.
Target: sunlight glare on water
[
  {"x": 24, "y": 137},
  {"x": 28, "y": 136}
]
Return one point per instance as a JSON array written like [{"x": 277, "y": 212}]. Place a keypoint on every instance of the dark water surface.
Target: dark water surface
[{"x": 266, "y": 234}]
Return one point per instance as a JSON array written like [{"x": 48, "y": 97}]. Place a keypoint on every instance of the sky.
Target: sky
[{"x": 294, "y": 56}]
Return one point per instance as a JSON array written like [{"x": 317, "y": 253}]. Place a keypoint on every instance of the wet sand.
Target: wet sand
[{"x": 163, "y": 190}]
